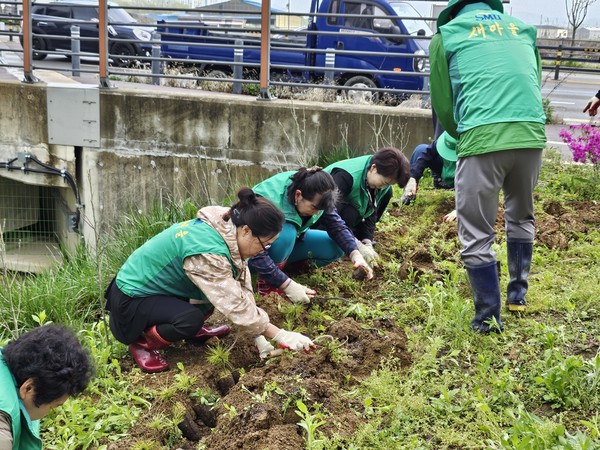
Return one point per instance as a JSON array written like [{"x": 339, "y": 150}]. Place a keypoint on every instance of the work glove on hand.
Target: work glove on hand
[
  {"x": 368, "y": 252},
  {"x": 263, "y": 346},
  {"x": 298, "y": 293},
  {"x": 359, "y": 261},
  {"x": 592, "y": 106},
  {"x": 410, "y": 192},
  {"x": 450, "y": 217},
  {"x": 294, "y": 341}
]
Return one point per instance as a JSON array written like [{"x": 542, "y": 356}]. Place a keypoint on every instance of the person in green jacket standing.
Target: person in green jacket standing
[
  {"x": 39, "y": 371},
  {"x": 364, "y": 192},
  {"x": 485, "y": 89}
]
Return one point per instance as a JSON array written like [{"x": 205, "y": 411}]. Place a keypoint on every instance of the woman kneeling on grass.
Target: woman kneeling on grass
[
  {"x": 304, "y": 196},
  {"x": 169, "y": 286}
]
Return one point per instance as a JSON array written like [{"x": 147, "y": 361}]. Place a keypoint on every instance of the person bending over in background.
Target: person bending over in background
[
  {"x": 39, "y": 371},
  {"x": 304, "y": 196},
  {"x": 364, "y": 192},
  {"x": 485, "y": 90},
  {"x": 169, "y": 286},
  {"x": 592, "y": 105},
  {"x": 440, "y": 158}
]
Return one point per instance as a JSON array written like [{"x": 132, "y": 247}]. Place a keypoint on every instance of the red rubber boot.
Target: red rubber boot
[{"x": 146, "y": 354}]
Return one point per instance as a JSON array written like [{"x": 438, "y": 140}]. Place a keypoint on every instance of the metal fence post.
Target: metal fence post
[
  {"x": 156, "y": 64},
  {"x": 75, "y": 50},
  {"x": 557, "y": 62},
  {"x": 103, "y": 43},
  {"x": 238, "y": 71},
  {"x": 329, "y": 65},
  {"x": 28, "y": 76}
]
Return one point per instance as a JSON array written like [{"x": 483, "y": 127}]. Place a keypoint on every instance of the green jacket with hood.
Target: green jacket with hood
[{"x": 485, "y": 82}]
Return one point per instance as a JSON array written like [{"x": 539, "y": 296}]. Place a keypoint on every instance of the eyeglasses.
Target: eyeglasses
[{"x": 264, "y": 247}]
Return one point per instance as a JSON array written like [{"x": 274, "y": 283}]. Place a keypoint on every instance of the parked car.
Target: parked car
[{"x": 51, "y": 28}]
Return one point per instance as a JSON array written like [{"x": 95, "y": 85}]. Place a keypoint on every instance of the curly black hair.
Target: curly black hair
[{"x": 53, "y": 358}]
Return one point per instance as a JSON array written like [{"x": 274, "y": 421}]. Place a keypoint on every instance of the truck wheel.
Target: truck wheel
[
  {"x": 216, "y": 73},
  {"x": 360, "y": 96},
  {"x": 124, "y": 49},
  {"x": 38, "y": 44}
]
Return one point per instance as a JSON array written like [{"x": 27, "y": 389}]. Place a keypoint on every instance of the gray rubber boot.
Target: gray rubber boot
[
  {"x": 486, "y": 297},
  {"x": 519, "y": 263}
]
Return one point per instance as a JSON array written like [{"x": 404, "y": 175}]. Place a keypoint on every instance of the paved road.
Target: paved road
[{"x": 568, "y": 96}]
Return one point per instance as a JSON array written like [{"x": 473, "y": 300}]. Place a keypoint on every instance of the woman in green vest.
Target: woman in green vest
[
  {"x": 365, "y": 189},
  {"x": 304, "y": 196},
  {"x": 39, "y": 371},
  {"x": 169, "y": 286}
]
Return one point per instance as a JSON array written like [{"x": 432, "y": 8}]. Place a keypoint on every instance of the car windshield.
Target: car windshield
[
  {"x": 119, "y": 15},
  {"x": 412, "y": 26}
]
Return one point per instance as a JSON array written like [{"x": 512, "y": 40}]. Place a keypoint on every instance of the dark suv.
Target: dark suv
[{"x": 56, "y": 18}]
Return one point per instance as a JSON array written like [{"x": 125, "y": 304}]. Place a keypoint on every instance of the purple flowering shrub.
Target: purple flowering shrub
[{"x": 584, "y": 142}]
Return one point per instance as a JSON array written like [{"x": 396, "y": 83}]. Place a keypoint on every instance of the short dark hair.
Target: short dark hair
[
  {"x": 53, "y": 358},
  {"x": 260, "y": 214},
  {"x": 391, "y": 163},
  {"x": 312, "y": 182}
]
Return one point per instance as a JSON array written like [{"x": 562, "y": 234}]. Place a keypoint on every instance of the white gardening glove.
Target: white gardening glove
[
  {"x": 450, "y": 217},
  {"x": 294, "y": 341},
  {"x": 263, "y": 346},
  {"x": 592, "y": 106},
  {"x": 410, "y": 192},
  {"x": 298, "y": 293},
  {"x": 368, "y": 253},
  {"x": 359, "y": 261}
]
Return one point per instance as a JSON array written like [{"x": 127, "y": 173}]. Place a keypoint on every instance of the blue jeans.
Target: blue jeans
[{"x": 314, "y": 245}]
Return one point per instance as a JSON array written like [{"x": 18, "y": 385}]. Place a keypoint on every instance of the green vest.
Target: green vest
[
  {"x": 359, "y": 196},
  {"x": 505, "y": 46},
  {"x": 25, "y": 432},
  {"x": 448, "y": 169},
  {"x": 275, "y": 189},
  {"x": 156, "y": 268}
]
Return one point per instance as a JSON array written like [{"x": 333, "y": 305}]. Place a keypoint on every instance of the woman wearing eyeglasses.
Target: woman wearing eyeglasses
[
  {"x": 304, "y": 197},
  {"x": 169, "y": 286}
]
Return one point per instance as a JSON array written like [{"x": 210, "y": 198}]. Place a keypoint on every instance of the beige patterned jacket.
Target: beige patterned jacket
[{"x": 212, "y": 274}]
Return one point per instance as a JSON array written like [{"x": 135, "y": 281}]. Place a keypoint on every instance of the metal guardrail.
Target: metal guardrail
[
  {"x": 153, "y": 64},
  {"x": 573, "y": 58}
]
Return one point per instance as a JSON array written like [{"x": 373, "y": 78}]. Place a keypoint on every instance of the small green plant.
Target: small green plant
[
  {"x": 231, "y": 411},
  {"x": 218, "y": 355},
  {"x": 206, "y": 397},
  {"x": 309, "y": 422},
  {"x": 183, "y": 381},
  {"x": 562, "y": 380}
]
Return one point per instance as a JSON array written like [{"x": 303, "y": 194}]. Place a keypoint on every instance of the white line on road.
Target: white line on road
[
  {"x": 562, "y": 103},
  {"x": 555, "y": 143}
]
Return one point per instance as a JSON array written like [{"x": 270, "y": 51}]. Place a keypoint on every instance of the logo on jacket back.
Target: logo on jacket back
[{"x": 482, "y": 17}]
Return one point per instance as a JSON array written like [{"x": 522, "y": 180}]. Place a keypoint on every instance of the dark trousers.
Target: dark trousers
[{"x": 175, "y": 318}]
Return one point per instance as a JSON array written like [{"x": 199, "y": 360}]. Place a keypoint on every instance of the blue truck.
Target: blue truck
[{"x": 367, "y": 35}]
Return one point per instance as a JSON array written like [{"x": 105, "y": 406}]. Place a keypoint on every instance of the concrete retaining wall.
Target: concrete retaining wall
[{"x": 164, "y": 143}]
